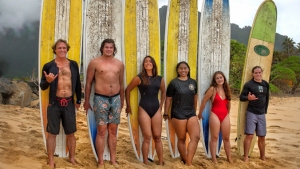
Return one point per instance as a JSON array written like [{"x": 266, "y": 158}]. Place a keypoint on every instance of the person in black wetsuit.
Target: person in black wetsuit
[
  {"x": 182, "y": 93},
  {"x": 150, "y": 116},
  {"x": 256, "y": 92},
  {"x": 61, "y": 76}
]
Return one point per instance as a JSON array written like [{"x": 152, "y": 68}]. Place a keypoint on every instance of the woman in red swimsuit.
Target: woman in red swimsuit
[{"x": 220, "y": 95}]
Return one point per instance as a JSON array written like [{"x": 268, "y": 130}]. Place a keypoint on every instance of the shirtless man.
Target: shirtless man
[
  {"x": 62, "y": 76},
  {"x": 107, "y": 72}
]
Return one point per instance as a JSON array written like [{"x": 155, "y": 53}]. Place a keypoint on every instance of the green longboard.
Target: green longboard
[{"x": 259, "y": 53}]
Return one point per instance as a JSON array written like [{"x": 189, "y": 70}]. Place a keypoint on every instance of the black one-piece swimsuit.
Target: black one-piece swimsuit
[{"x": 149, "y": 95}]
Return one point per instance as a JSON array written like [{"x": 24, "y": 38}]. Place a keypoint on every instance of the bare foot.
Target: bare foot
[
  {"x": 100, "y": 166},
  {"x": 51, "y": 165},
  {"x": 214, "y": 161},
  {"x": 246, "y": 159},
  {"x": 116, "y": 165},
  {"x": 72, "y": 161},
  {"x": 263, "y": 158},
  {"x": 161, "y": 163},
  {"x": 230, "y": 161}
]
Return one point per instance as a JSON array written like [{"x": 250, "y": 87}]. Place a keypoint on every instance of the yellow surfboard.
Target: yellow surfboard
[
  {"x": 60, "y": 19},
  {"x": 141, "y": 27},
  {"x": 259, "y": 53},
  {"x": 181, "y": 40}
]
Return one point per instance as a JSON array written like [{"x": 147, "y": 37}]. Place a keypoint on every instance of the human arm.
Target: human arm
[
  {"x": 229, "y": 106},
  {"x": 169, "y": 97},
  {"x": 246, "y": 94},
  {"x": 47, "y": 77},
  {"x": 134, "y": 82},
  {"x": 90, "y": 73},
  {"x": 167, "y": 108},
  {"x": 208, "y": 95},
  {"x": 121, "y": 81},
  {"x": 77, "y": 87},
  {"x": 267, "y": 97},
  {"x": 162, "y": 93},
  {"x": 195, "y": 101}
]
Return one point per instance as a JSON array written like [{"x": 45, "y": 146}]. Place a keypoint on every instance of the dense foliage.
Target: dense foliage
[
  {"x": 237, "y": 60},
  {"x": 285, "y": 72}
]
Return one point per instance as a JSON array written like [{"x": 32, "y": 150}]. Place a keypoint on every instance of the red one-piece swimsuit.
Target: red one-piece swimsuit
[{"x": 219, "y": 107}]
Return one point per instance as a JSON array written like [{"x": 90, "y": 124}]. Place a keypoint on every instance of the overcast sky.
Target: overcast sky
[
  {"x": 242, "y": 13},
  {"x": 15, "y": 13}
]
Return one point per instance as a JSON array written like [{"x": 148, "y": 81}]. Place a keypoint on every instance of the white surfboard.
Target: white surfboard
[
  {"x": 214, "y": 55},
  {"x": 102, "y": 19}
]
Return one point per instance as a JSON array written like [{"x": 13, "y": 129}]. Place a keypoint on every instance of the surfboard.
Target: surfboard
[
  {"x": 180, "y": 45},
  {"x": 214, "y": 55},
  {"x": 142, "y": 38},
  {"x": 60, "y": 19},
  {"x": 103, "y": 19},
  {"x": 259, "y": 53}
]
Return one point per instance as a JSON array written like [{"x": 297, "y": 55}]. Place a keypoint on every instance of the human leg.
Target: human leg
[
  {"x": 71, "y": 143},
  {"x": 261, "y": 146},
  {"x": 69, "y": 124},
  {"x": 145, "y": 124},
  {"x": 51, "y": 144},
  {"x": 112, "y": 141},
  {"x": 214, "y": 127},
  {"x": 156, "y": 125},
  {"x": 225, "y": 128},
  {"x": 250, "y": 127},
  {"x": 53, "y": 127},
  {"x": 193, "y": 130},
  {"x": 113, "y": 120},
  {"x": 100, "y": 142},
  {"x": 180, "y": 130},
  {"x": 261, "y": 132},
  {"x": 247, "y": 143}
]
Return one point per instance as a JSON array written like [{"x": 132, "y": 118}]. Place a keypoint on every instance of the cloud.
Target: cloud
[
  {"x": 17, "y": 13},
  {"x": 242, "y": 13}
]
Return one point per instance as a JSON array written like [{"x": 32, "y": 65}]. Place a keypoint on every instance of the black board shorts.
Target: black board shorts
[{"x": 62, "y": 109}]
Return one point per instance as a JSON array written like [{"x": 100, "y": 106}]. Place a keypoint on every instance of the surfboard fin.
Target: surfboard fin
[{"x": 149, "y": 159}]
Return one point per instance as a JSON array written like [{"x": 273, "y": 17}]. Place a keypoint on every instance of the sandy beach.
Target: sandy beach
[{"x": 22, "y": 146}]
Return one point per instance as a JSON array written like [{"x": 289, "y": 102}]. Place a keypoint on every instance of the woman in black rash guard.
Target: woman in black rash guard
[
  {"x": 150, "y": 117},
  {"x": 182, "y": 93}
]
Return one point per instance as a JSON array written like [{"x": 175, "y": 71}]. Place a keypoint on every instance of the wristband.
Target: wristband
[{"x": 166, "y": 115}]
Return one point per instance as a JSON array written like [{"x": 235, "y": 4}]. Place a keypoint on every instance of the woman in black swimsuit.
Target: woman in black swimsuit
[
  {"x": 150, "y": 117},
  {"x": 182, "y": 93}
]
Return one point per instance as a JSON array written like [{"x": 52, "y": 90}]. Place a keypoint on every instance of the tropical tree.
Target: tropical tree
[
  {"x": 162, "y": 50},
  {"x": 277, "y": 57},
  {"x": 237, "y": 61},
  {"x": 281, "y": 78},
  {"x": 298, "y": 48},
  {"x": 288, "y": 46},
  {"x": 293, "y": 63}
]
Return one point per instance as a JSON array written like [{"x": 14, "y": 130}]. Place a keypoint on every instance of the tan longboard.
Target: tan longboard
[{"x": 259, "y": 53}]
